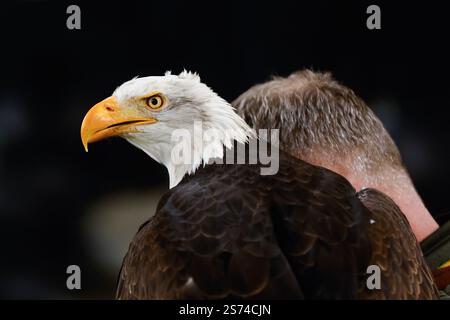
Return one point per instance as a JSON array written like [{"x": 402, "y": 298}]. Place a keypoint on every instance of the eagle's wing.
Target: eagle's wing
[
  {"x": 404, "y": 271},
  {"x": 302, "y": 233},
  {"x": 330, "y": 236},
  {"x": 204, "y": 244},
  {"x": 321, "y": 227}
]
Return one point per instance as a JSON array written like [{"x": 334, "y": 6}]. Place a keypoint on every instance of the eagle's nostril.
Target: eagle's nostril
[{"x": 109, "y": 108}]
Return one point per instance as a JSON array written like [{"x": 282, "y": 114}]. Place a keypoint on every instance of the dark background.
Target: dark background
[{"x": 56, "y": 200}]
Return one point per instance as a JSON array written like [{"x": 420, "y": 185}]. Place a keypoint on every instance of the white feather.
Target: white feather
[{"x": 189, "y": 101}]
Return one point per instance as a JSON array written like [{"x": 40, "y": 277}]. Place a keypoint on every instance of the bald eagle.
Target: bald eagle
[{"x": 227, "y": 231}]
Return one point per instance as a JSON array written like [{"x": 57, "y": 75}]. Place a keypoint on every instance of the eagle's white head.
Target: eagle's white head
[{"x": 148, "y": 111}]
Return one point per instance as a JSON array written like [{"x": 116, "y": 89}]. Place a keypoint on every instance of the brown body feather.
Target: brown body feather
[{"x": 304, "y": 233}]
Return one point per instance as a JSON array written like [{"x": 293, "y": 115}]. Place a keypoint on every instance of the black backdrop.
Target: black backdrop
[{"x": 50, "y": 76}]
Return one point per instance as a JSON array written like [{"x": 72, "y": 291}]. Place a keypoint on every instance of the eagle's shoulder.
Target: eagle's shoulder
[
  {"x": 210, "y": 237},
  {"x": 396, "y": 251},
  {"x": 228, "y": 231}
]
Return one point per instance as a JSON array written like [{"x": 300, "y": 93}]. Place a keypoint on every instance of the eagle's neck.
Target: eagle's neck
[
  {"x": 184, "y": 151},
  {"x": 203, "y": 148}
]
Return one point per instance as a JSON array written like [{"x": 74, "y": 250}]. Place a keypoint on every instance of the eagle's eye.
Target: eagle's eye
[{"x": 155, "y": 102}]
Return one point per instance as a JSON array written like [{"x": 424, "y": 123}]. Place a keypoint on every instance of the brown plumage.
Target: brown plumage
[{"x": 304, "y": 233}]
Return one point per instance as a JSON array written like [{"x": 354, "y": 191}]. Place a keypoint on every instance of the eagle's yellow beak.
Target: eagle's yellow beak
[{"x": 106, "y": 119}]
